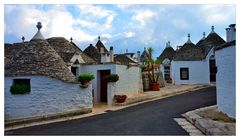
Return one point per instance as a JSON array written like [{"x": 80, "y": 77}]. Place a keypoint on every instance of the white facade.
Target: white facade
[
  {"x": 226, "y": 80},
  {"x": 48, "y": 96},
  {"x": 129, "y": 82},
  {"x": 163, "y": 68},
  {"x": 199, "y": 72}
]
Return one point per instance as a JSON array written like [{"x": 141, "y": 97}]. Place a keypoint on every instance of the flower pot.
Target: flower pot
[
  {"x": 84, "y": 83},
  {"x": 155, "y": 86},
  {"x": 120, "y": 98}
]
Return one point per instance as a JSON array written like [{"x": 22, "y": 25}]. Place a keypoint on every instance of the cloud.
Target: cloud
[
  {"x": 143, "y": 16},
  {"x": 85, "y": 23},
  {"x": 56, "y": 21},
  {"x": 108, "y": 23},
  {"x": 215, "y": 14},
  {"x": 180, "y": 23},
  {"x": 121, "y": 26},
  {"x": 130, "y": 34},
  {"x": 95, "y": 11}
]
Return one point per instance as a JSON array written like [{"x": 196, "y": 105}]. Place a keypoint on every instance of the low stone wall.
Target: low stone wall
[{"x": 48, "y": 96}]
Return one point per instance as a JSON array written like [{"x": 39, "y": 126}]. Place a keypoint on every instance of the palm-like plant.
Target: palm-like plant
[{"x": 150, "y": 65}]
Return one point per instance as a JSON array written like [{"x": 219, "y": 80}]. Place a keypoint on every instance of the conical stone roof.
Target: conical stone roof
[
  {"x": 36, "y": 57},
  {"x": 66, "y": 49}
]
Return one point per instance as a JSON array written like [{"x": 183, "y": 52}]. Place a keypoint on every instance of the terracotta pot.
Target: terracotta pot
[
  {"x": 120, "y": 98},
  {"x": 155, "y": 86}
]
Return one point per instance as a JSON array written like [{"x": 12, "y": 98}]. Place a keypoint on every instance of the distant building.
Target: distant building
[
  {"x": 166, "y": 58},
  {"x": 195, "y": 64},
  {"x": 226, "y": 73},
  {"x": 144, "y": 56}
]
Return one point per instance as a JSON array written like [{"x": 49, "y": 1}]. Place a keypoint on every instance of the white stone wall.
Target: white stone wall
[
  {"x": 48, "y": 96},
  {"x": 162, "y": 70},
  {"x": 226, "y": 80},
  {"x": 198, "y": 72},
  {"x": 129, "y": 82},
  {"x": 93, "y": 69}
]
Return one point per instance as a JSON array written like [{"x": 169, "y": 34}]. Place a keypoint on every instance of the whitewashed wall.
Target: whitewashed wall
[
  {"x": 226, "y": 80},
  {"x": 130, "y": 80},
  {"x": 162, "y": 70},
  {"x": 93, "y": 69},
  {"x": 198, "y": 72},
  {"x": 48, "y": 96}
]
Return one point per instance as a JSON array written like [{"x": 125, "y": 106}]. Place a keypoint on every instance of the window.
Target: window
[
  {"x": 20, "y": 86},
  {"x": 21, "y": 81},
  {"x": 184, "y": 74},
  {"x": 74, "y": 70}
]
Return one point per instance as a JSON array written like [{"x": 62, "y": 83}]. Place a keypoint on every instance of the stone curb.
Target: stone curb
[
  {"x": 17, "y": 122},
  {"x": 206, "y": 126},
  {"x": 147, "y": 98}
]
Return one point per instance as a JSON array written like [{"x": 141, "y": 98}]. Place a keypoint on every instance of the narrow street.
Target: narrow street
[{"x": 152, "y": 118}]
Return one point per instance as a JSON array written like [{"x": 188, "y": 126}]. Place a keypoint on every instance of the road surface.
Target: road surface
[{"x": 152, "y": 118}]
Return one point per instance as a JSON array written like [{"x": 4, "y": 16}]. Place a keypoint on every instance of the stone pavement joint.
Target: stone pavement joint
[
  {"x": 209, "y": 126},
  {"x": 193, "y": 131}
]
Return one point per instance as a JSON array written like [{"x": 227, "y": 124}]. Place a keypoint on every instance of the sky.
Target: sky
[{"x": 125, "y": 27}]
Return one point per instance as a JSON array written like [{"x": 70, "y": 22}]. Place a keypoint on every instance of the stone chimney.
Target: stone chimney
[
  {"x": 231, "y": 33},
  {"x": 104, "y": 56},
  {"x": 111, "y": 53}
]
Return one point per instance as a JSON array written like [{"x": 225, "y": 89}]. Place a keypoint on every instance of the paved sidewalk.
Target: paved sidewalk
[
  {"x": 167, "y": 91},
  {"x": 191, "y": 129},
  {"x": 211, "y": 122},
  {"x": 100, "y": 108}
]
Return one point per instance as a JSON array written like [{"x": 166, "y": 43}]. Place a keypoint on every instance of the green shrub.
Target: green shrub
[
  {"x": 85, "y": 77},
  {"x": 112, "y": 78},
  {"x": 20, "y": 89}
]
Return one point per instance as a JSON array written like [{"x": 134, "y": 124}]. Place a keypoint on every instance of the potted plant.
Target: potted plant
[
  {"x": 84, "y": 79},
  {"x": 112, "y": 78},
  {"x": 20, "y": 89},
  {"x": 120, "y": 98},
  {"x": 150, "y": 67}
]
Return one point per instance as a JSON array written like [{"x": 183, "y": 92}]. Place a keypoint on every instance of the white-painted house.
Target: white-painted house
[
  {"x": 53, "y": 87},
  {"x": 130, "y": 80},
  {"x": 195, "y": 64},
  {"x": 166, "y": 58},
  {"x": 226, "y": 73}
]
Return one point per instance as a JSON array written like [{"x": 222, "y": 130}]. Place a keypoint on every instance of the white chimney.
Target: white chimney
[
  {"x": 111, "y": 52},
  {"x": 231, "y": 33},
  {"x": 104, "y": 56}
]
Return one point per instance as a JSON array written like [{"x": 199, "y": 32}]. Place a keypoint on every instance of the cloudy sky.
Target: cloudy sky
[{"x": 125, "y": 27}]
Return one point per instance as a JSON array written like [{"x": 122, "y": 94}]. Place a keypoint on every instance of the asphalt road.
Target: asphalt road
[{"x": 152, "y": 118}]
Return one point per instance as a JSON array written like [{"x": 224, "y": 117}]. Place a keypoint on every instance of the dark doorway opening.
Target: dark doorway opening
[
  {"x": 74, "y": 70},
  {"x": 103, "y": 85},
  {"x": 213, "y": 70}
]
